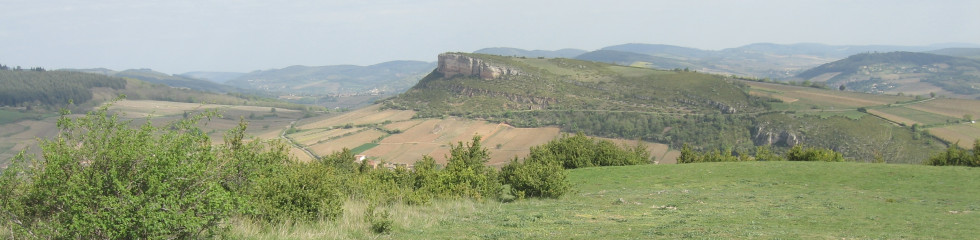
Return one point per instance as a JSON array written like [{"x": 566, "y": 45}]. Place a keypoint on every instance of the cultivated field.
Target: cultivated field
[
  {"x": 365, "y": 115},
  {"x": 415, "y": 138},
  {"x": 941, "y": 116},
  {"x": 964, "y": 134}
]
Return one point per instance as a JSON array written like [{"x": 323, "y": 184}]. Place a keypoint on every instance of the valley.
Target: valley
[{"x": 374, "y": 157}]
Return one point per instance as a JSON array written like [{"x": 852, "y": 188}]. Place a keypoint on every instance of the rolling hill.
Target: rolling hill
[
  {"x": 759, "y": 60},
  {"x": 517, "y": 52},
  {"x": 218, "y": 77},
  {"x": 30, "y": 102},
  {"x": 902, "y": 72},
  {"x": 973, "y": 53},
  {"x": 388, "y": 77},
  {"x": 669, "y": 107},
  {"x": 177, "y": 81}
]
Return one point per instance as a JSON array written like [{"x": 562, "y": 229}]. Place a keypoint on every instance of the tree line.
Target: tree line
[{"x": 53, "y": 88}]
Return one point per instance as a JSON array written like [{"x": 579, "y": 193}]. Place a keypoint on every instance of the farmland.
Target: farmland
[
  {"x": 410, "y": 139},
  {"x": 942, "y": 117}
]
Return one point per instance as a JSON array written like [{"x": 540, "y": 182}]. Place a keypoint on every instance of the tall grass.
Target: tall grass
[{"x": 352, "y": 225}]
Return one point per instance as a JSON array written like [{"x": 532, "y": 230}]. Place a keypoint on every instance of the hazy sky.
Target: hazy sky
[{"x": 177, "y": 36}]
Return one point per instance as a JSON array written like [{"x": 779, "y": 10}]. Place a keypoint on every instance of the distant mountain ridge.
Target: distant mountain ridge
[
  {"x": 517, "y": 52},
  {"x": 390, "y": 77},
  {"x": 901, "y": 72},
  {"x": 151, "y": 76},
  {"x": 218, "y": 77},
  {"x": 761, "y": 60}
]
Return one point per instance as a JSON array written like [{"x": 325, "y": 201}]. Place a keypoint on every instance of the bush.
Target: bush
[
  {"x": 580, "y": 151},
  {"x": 300, "y": 192},
  {"x": 102, "y": 179},
  {"x": 540, "y": 175},
  {"x": 801, "y": 153},
  {"x": 380, "y": 222},
  {"x": 954, "y": 156}
]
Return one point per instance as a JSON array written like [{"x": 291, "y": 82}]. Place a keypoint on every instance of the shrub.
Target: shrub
[
  {"x": 955, "y": 156},
  {"x": 102, "y": 179},
  {"x": 300, "y": 192},
  {"x": 380, "y": 222},
  {"x": 801, "y": 153},
  {"x": 540, "y": 175},
  {"x": 580, "y": 151}
]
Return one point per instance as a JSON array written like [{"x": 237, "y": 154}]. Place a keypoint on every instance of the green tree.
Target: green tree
[
  {"x": 539, "y": 175},
  {"x": 102, "y": 179}
]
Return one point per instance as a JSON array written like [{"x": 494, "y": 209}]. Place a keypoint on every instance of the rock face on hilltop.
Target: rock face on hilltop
[{"x": 453, "y": 64}]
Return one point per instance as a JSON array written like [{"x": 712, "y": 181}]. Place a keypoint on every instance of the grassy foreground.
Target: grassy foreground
[{"x": 709, "y": 200}]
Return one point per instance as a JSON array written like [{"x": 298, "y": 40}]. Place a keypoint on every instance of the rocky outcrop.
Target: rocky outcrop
[
  {"x": 453, "y": 64},
  {"x": 766, "y": 136}
]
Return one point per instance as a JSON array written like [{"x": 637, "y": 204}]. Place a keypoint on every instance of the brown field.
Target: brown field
[
  {"x": 360, "y": 116},
  {"x": 349, "y": 142},
  {"x": 831, "y": 97},
  {"x": 24, "y": 135},
  {"x": 892, "y": 117},
  {"x": 432, "y": 137},
  {"x": 403, "y": 124},
  {"x": 965, "y": 134},
  {"x": 311, "y": 137},
  {"x": 954, "y": 108},
  {"x": 145, "y": 108},
  {"x": 300, "y": 155}
]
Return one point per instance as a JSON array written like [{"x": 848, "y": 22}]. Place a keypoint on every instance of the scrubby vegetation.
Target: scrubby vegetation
[
  {"x": 955, "y": 156},
  {"x": 762, "y": 153},
  {"x": 104, "y": 178}
]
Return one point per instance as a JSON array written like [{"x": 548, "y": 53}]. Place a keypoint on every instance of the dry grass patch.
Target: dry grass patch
[
  {"x": 892, "y": 117},
  {"x": 365, "y": 115},
  {"x": 349, "y": 142},
  {"x": 352, "y": 224},
  {"x": 965, "y": 134},
  {"x": 954, "y": 108}
]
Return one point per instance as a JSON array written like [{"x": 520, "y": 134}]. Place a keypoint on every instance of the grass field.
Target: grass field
[{"x": 749, "y": 200}]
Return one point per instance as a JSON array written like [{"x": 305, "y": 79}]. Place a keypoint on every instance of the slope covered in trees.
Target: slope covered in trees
[{"x": 22, "y": 88}]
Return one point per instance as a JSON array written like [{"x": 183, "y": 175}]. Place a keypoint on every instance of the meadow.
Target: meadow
[{"x": 745, "y": 200}]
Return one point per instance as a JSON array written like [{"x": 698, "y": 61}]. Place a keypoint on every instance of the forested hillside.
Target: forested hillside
[{"x": 23, "y": 88}]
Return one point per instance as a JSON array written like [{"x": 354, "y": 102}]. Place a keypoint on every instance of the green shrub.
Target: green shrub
[
  {"x": 380, "y": 222},
  {"x": 300, "y": 192},
  {"x": 801, "y": 153},
  {"x": 539, "y": 175},
  {"x": 955, "y": 156},
  {"x": 581, "y": 151},
  {"x": 102, "y": 179}
]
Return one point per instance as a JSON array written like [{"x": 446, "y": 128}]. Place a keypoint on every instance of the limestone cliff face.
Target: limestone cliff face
[
  {"x": 767, "y": 136},
  {"x": 453, "y": 64}
]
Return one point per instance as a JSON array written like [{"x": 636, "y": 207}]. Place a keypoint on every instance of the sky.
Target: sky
[{"x": 177, "y": 36}]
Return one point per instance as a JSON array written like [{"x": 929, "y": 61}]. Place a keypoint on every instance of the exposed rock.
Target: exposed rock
[
  {"x": 452, "y": 64},
  {"x": 765, "y": 136}
]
